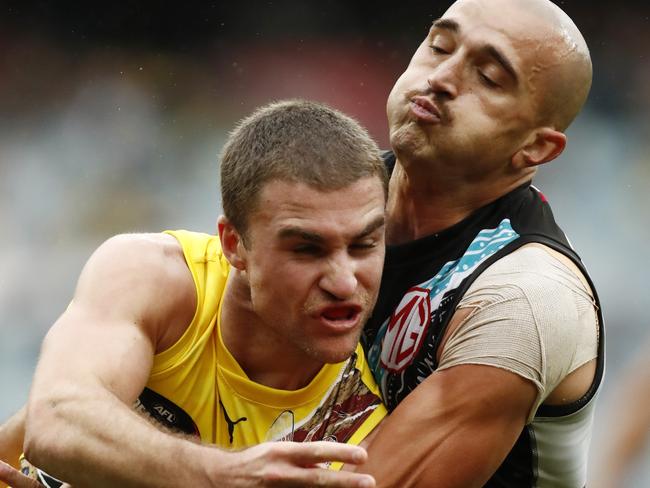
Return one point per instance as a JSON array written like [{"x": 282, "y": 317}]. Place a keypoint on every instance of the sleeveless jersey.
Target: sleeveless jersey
[
  {"x": 422, "y": 284},
  {"x": 200, "y": 377},
  {"x": 197, "y": 388}
]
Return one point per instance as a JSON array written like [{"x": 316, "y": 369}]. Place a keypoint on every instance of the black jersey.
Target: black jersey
[{"x": 422, "y": 284}]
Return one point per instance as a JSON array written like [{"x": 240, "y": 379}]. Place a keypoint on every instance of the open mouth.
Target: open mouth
[
  {"x": 340, "y": 318},
  {"x": 340, "y": 313}
]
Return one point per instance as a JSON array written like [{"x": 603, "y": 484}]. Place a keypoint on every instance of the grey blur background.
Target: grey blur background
[{"x": 112, "y": 117}]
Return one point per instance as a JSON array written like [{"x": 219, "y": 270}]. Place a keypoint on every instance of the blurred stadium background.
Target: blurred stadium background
[{"x": 112, "y": 117}]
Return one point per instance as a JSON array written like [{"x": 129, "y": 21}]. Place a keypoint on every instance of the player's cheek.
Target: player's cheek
[{"x": 371, "y": 272}]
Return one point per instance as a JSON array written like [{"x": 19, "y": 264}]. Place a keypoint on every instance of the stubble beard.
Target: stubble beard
[
  {"x": 311, "y": 349},
  {"x": 410, "y": 142}
]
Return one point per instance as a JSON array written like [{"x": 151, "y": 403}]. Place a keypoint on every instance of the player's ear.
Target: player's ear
[
  {"x": 543, "y": 145},
  {"x": 231, "y": 243}
]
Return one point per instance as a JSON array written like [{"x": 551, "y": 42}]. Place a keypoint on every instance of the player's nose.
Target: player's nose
[{"x": 339, "y": 278}]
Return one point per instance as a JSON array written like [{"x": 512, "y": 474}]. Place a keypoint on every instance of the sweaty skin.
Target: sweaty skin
[{"x": 560, "y": 76}]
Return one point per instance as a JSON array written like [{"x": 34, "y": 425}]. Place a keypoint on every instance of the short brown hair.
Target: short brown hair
[{"x": 293, "y": 140}]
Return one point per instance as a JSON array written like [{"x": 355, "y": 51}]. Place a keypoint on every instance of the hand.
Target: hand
[
  {"x": 291, "y": 464},
  {"x": 15, "y": 478}
]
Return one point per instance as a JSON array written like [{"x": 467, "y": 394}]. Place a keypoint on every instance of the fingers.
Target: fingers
[
  {"x": 311, "y": 453},
  {"x": 15, "y": 478},
  {"x": 287, "y": 465},
  {"x": 326, "y": 478}
]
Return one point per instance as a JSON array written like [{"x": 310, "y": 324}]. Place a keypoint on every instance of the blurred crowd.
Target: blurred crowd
[{"x": 112, "y": 119}]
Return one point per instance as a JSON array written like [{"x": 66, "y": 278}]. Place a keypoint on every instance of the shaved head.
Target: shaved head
[
  {"x": 489, "y": 92},
  {"x": 568, "y": 80},
  {"x": 559, "y": 70}
]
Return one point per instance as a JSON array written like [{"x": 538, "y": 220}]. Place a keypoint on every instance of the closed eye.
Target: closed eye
[
  {"x": 487, "y": 81},
  {"x": 438, "y": 49}
]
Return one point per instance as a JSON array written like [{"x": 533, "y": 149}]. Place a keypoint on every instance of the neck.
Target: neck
[
  {"x": 264, "y": 356},
  {"x": 421, "y": 204}
]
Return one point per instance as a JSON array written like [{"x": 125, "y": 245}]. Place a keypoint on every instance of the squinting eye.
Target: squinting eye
[
  {"x": 363, "y": 246},
  {"x": 307, "y": 249}
]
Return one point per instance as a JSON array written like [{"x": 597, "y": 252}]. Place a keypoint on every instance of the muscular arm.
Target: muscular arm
[
  {"x": 504, "y": 352},
  {"x": 95, "y": 361},
  {"x": 452, "y": 431},
  {"x": 134, "y": 294}
]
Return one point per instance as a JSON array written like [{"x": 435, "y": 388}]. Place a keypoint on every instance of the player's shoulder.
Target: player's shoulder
[
  {"x": 143, "y": 275},
  {"x": 532, "y": 277},
  {"x": 155, "y": 251},
  {"x": 143, "y": 261},
  {"x": 142, "y": 241},
  {"x": 538, "y": 267}
]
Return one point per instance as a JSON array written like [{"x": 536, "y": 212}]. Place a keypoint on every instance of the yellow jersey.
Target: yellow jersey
[{"x": 198, "y": 387}]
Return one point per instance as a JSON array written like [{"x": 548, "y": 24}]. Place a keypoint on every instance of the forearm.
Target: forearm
[
  {"x": 423, "y": 460},
  {"x": 440, "y": 435},
  {"x": 92, "y": 438},
  {"x": 95, "y": 442}
]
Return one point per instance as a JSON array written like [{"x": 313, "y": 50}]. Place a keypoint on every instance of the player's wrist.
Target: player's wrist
[{"x": 208, "y": 465}]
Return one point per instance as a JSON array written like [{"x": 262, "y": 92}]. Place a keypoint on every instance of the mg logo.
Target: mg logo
[{"x": 406, "y": 330}]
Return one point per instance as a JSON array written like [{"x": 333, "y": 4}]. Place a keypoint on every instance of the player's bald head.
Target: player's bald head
[{"x": 555, "y": 57}]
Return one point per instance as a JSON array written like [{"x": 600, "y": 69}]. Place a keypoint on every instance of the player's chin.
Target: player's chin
[
  {"x": 337, "y": 350},
  {"x": 408, "y": 138}
]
